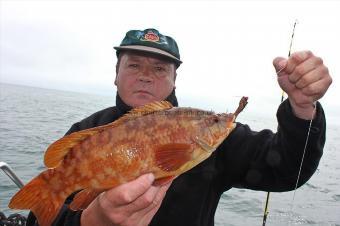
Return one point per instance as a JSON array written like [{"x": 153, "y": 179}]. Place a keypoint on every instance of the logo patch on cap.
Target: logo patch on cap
[{"x": 150, "y": 36}]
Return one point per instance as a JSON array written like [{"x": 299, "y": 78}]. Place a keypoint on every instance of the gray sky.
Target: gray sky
[{"x": 227, "y": 47}]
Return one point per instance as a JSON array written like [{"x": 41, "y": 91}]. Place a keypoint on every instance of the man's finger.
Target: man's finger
[
  {"x": 309, "y": 78},
  {"x": 128, "y": 192},
  {"x": 153, "y": 201},
  {"x": 295, "y": 59},
  {"x": 147, "y": 214},
  {"x": 142, "y": 202},
  {"x": 308, "y": 65},
  {"x": 316, "y": 89}
]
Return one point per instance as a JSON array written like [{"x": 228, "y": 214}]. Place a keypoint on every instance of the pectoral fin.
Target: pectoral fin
[
  {"x": 162, "y": 181},
  {"x": 170, "y": 157}
]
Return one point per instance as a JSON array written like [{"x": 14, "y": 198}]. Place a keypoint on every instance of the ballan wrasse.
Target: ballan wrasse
[{"x": 156, "y": 138}]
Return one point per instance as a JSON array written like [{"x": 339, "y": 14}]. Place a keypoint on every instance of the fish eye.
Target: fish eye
[{"x": 216, "y": 120}]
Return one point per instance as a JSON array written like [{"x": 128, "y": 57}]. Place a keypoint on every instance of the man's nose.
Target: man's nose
[{"x": 145, "y": 75}]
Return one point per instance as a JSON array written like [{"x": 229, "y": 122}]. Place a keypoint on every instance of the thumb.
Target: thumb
[
  {"x": 280, "y": 64},
  {"x": 284, "y": 83}
]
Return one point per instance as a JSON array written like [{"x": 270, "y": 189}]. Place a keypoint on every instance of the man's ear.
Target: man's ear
[
  {"x": 175, "y": 76},
  {"x": 116, "y": 80},
  {"x": 117, "y": 70}
]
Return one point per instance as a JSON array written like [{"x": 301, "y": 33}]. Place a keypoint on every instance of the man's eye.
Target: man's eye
[
  {"x": 160, "y": 69},
  {"x": 133, "y": 65}
]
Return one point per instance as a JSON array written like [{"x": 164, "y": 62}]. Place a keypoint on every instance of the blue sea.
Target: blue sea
[{"x": 32, "y": 118}]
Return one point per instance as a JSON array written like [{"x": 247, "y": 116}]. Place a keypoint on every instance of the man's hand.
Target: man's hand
[
  {"x": 305, "y": 79},
  {"x": 134, "y": 203}
]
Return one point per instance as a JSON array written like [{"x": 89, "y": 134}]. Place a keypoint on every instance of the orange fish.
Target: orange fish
[{"x": 158, "y": 138}]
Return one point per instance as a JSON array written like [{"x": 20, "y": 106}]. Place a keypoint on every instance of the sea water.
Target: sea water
[{"x": 32, "y": 118}]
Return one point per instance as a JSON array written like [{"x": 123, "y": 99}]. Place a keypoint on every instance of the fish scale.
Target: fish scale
[{"x": 156, "y": 138}]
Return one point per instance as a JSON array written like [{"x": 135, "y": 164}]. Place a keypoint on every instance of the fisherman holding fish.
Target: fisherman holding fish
[{"x": 179, "y": 188}]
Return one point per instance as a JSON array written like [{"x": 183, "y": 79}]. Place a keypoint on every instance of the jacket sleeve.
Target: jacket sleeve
[{"x": 271, "y": 161}]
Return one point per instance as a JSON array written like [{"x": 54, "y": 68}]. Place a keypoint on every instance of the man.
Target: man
[{"x": 146, "y": 72}]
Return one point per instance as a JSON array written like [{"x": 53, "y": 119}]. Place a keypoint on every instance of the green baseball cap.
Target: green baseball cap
[{"x": 152, "y": 41}]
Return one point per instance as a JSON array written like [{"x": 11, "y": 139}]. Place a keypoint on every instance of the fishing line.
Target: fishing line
[
  {"x": 266, "y": 212},
  {"x": 303, "y": 157}
]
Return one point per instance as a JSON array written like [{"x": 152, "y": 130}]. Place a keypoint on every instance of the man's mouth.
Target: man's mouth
[{"x": 143, "y": 92}]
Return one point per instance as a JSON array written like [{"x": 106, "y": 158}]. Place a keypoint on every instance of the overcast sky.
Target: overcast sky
[{"x": 227, "y": 47}]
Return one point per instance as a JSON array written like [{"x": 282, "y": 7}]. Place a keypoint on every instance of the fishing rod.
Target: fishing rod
[{"x": 266, "y": 212}]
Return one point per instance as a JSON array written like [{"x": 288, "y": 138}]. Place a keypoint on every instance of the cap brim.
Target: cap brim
[{"x": 149, "y": 50}]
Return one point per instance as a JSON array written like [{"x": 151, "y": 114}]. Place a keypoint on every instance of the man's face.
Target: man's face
[{"x": 144, "y": 78}]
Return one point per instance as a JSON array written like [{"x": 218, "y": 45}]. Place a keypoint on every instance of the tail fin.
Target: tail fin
[{"x": 40, "y": 199}]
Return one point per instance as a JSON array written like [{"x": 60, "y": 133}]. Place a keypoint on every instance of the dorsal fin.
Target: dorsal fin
[
  {"x": 143, "y": 110},
  {"x": 56, "y": 152},
  {"x": 59, "y": 149},
  {"x": 149, "y": 108}
]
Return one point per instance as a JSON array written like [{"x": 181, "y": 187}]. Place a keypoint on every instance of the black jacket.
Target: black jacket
[{"x": 246, "y": 159}]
